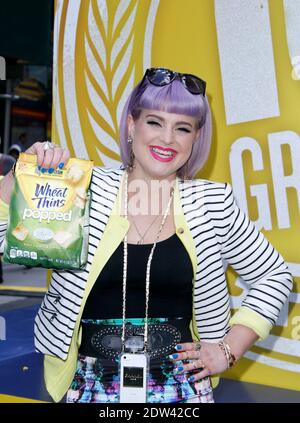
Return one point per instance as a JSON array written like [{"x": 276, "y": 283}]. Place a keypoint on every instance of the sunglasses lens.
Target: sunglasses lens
[
  {"x": 193, "y": 84},
  {"x": 163, "y": 76},
  {"x": 160, "y": 77}
]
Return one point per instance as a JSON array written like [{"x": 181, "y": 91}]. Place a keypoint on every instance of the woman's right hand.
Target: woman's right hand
[
  {"x": 49, "y": 160},
  {"x": 52, "y": 158}
]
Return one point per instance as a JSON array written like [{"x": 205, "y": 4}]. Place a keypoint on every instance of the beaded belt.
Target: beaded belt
[{"x": 105, "y": 340}]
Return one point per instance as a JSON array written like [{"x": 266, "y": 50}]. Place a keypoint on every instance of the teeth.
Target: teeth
[{"x": 162, "y": 153}]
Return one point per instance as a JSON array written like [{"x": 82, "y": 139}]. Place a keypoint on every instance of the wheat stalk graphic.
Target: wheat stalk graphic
[{"x": 109, "y": 71}]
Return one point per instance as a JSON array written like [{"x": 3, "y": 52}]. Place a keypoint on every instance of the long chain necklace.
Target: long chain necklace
[
  {"x": 142, "y": 237},
  {"x": 148, "y": 267}
]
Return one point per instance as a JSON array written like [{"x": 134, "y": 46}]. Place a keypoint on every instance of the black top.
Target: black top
[{"x": 171, "y": 284}]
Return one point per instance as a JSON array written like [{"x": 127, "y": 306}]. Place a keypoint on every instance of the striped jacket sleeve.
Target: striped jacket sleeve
[
  {"x": 3, "y": 222},
  {"x": 249, "y": 253}
]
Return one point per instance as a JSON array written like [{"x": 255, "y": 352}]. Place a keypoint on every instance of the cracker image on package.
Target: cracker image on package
[
  {"x": 20, "y": 232},
  {"x": 48, "y": 215}
]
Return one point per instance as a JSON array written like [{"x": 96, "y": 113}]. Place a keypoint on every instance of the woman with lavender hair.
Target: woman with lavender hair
[{"x": 154, "y": 288}]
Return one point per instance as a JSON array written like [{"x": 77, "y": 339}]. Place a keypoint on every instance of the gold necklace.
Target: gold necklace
[{"x": 141, "y": 240}]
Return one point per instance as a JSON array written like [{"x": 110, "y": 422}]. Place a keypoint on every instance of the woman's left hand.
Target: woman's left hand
[{"x": 205, "y": 358}]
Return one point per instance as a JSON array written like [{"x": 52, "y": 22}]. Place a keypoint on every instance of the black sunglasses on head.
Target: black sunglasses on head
[{"x": 163, "y": 76}]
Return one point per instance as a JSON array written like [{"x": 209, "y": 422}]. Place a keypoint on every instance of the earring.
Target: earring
[
  {"x": 130, "y": 165},
  {"x": 186, "y": 170}
]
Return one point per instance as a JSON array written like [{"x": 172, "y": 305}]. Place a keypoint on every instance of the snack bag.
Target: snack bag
[{"x": 48, "y": 215}]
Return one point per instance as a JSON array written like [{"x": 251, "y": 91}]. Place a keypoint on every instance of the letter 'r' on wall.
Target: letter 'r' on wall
[
  {"x": 282, "y": 181},
  {"x": 246, "y": 60}
]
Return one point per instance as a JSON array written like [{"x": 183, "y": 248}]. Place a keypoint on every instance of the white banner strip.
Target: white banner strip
[{"x": 247, "y": 60}]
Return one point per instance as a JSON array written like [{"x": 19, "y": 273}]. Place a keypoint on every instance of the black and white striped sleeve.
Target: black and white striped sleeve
[
  {"x": 256, "y": 261},
  {"x": 3, "y": 226},
  {"x": 3, "y": 222}
]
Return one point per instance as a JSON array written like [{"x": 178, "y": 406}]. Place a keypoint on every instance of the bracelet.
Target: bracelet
[{"x": 230, "y": 357}]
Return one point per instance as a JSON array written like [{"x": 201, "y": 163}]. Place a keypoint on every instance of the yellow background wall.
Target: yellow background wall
[{"x": 249, "y": 54}]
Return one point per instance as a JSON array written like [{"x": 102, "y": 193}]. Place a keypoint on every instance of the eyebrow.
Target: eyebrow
[{"x": 162, "y": 120}]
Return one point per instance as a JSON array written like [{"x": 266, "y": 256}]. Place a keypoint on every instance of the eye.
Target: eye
[
  {"x": 153, "y": 122},
  {"x": 183, "y": 129}
]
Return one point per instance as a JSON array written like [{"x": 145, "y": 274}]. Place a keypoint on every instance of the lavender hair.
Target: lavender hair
[{"x": 172, "y": 98}]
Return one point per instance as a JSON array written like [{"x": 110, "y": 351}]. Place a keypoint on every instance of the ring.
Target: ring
[
  {"x": 198, "y": 364},
  {"x": 48, "y": 146},
  {"x": 198, "y": 346}
]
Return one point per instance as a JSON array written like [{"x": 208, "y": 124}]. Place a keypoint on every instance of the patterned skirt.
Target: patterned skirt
[{"x": 97, "y": 379}]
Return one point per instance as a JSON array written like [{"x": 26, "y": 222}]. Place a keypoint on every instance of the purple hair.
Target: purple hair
[{"x": 172, "y": 98}]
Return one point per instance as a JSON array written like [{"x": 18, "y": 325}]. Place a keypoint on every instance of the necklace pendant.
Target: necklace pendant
[{"x": 140, "y": 241}]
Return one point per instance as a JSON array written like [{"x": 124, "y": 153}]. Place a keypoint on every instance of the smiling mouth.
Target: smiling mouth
[
  {"x": 163, "y": 153},
  {"x": 164, "y": 156}
]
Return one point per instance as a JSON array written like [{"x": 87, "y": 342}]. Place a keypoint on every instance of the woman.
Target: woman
[{"x": 158, "y": 249}]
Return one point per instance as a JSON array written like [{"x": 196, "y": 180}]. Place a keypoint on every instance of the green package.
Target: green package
[{"x": 48, "y": 215}]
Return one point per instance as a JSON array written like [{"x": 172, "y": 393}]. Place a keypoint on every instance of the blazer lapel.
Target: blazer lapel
[
  {"x": 193, "y": 205},
  {"x": 104, "y": 188}
]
